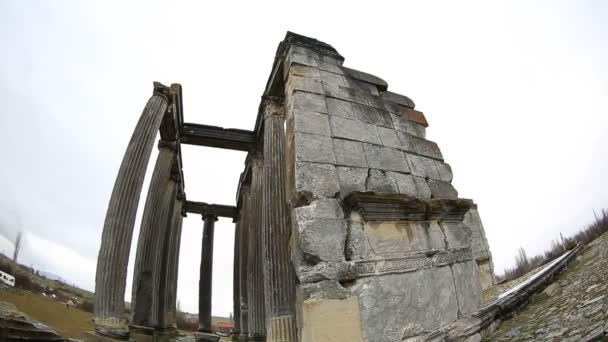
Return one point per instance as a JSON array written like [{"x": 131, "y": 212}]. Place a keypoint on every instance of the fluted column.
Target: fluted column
[
  {"x": 206, "y": 273},
  {"x": 279, "y": 278},
  {"x": 164, "y": 261},
  {"x": 243, "y": 256},
  {"x": 176, "y": 238},
  {"x": 113, "y": 258},
  {"x": 157, "y": 211},
  {"x": 255, "y": 278},
  {"x": 236, "y": 289}
]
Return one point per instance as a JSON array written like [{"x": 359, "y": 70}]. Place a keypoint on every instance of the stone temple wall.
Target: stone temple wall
[{"x": 382, "y": 246}]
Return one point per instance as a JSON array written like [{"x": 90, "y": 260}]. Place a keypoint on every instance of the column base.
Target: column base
[
  {"x": 282, "y": 329},
  {"x": 113, "y": 328},
  {"x": 243, "y": 337},
  {"x": 206, "y": 337}
]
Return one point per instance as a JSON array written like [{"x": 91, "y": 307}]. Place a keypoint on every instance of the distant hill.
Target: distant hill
[{"x": 51, "y": 276}]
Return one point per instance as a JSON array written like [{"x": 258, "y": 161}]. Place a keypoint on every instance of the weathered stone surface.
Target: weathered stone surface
[
  {"x": 410, "y": 185},
  {"x": 328, "y": 320},
  {"x": 322, "y": 239},
  {"x": 321, "y": 271},
  {"x": 326, "y": 289},
  {"x": 441, "y": 189},
  {"x": 316, "y": 180},
  {"x": 399, "y": 99},
  {"x": 325, "y": 208},
  {"x": 357, "y": 244},
  {"x": 457, "y": 234},
  {"x": 400, "y": 238},
  {"x": 306, "y": 84},
  {"x": 424, "y": 147},
  {"x": 349, "y": 153},
  {"x": 486, "y": 273},
  {"x": 302, "y": 101},
  {"x": 339, "y": 108},
  {"x": 426, "y": 167},
  {"x": 295, "y": 59},
  {"x": 378, "y": 181},
  {"x": 314, "y": 148},
  {"x": 468, "y": 290},
  {"x": 426, "y": 297},
  {"x": 417, "y": 117},
  {"x": 351, "y": 179},
  {"x": 112, "y": 261},
  {"x": 279, "y": 277},
  {"x": 353, "y": 130},
  {"x": 404, "y": 125},
  {"x": 389, "y": 138},
  {"x": 379, "y": 83},
  {"x": 385, "y": 158},
  {"x": 307, "y": 71},
  {"x": 371, "y": 115},
  {"x": 310, "y": 122},
  {"x": 332, "y": 78}
]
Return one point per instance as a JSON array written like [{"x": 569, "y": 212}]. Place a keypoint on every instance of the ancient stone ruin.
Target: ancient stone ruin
[{"x": 347, "y": 226}]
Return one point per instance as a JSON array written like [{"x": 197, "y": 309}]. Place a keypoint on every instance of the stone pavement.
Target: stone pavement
[{"x": 573, "y": 308}]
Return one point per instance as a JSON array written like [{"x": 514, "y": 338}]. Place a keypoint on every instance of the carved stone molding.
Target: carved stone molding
[
  {"x": 363, "y": 268},
  {"x": 400, "y": 207}
]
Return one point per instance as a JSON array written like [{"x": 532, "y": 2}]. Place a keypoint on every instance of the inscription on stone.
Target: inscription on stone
[{"x": 410, "y": 263}]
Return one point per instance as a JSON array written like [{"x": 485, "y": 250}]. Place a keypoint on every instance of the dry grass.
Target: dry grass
[
  {"x": 523, "y": 264},
  {"x": 68, "y": 323}
]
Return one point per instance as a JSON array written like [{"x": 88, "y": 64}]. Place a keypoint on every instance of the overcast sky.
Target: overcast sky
[{"x": 516, "y": 94}]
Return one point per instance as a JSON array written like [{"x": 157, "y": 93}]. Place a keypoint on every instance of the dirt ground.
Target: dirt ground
[{"x": 70, "y": 323}]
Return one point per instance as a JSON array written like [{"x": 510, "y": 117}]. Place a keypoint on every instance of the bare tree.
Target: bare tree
[{"x": 17, "y": 247}]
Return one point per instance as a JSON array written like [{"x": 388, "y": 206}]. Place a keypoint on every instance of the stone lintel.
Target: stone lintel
[
  {"x": 400, "y": 207},
  {"x": 219, "y": 137},
  {"x": 218, "y": 210}
]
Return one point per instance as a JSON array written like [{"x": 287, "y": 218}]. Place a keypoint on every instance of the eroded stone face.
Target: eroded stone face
[
  {"x": 389, "y": 303},
  {"x": 397, "y": 275}
]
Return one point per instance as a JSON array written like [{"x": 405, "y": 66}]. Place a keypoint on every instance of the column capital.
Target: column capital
[
  {"x": 209, "y": 216},
  {"x": 272, "y": 107},
  {"x": 162, "y": 90}
]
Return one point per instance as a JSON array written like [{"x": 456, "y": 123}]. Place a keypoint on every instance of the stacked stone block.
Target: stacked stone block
[{"x": 377, "y": 275}]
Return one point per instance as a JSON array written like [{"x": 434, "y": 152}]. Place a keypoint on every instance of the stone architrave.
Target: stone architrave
[
  {"x": 206, "y": 274},
  {"x": 255, "y": 277},
  {"x": 113, "y": 258},
  {"x": 156, "y": 212},
  {"x": 279, "y": 279},
  {"x": 243, "y": 256}
]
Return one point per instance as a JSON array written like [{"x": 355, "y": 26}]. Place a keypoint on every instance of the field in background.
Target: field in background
[{"x": 69, "y": 323}]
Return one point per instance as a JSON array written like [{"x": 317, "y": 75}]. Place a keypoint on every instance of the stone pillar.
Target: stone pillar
[
  {"x": 279, "y": 278},
  {"x": 236, "y": 293},
  {"x": 243, "y": 256},
  {"x": 166, "y": 264},
  {"x": 204, "y": 286},
  {"x": 255, "y": 277},
  {"x": 157, "y": 211},
  {"x": 177, "y": 219},
  {"x": 113, "y": 258}
]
